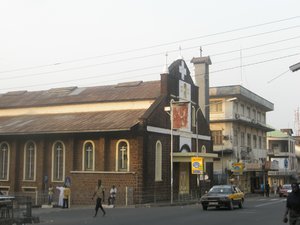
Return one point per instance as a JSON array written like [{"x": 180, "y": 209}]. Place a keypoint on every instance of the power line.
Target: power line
[
  {"x": 278, "y": 76},
  {"x": 117, "y": 73},
  {"x": 261, "y": 53},
  {"x": 149, "y": 47},
  {"x": 255, "y": 46},
  {"x": 154, "y": 54},
  {"x": 252, "y": 64}
]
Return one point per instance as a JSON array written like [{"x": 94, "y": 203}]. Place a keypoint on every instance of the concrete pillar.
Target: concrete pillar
[{"x": 201, "y": 65}]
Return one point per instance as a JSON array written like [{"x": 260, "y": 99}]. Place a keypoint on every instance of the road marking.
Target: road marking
[{"x": 269, "y": 203}]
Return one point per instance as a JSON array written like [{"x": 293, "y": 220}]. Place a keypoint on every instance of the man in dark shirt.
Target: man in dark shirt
[{"x": 293, "y": 206}]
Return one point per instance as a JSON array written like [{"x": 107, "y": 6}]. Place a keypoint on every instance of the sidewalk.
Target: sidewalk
[{"x": 40, "y": 210}]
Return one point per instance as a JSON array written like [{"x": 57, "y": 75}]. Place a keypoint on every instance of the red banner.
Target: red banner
[{"x": 180, "y": 116}]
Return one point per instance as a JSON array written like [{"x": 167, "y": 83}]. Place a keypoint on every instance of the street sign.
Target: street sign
[
  {"x": 197, "y": 165},
  {"x": 237, "y": 168}
]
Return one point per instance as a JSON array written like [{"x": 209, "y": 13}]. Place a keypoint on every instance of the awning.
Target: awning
[{"x": 186, "y": 156}]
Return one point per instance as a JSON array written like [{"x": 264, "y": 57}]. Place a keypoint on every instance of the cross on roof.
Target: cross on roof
[{"x": 182, "y": 70}]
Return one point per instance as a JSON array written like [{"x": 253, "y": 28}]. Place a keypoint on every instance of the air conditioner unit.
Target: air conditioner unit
[{"x": 226, "y": 137}]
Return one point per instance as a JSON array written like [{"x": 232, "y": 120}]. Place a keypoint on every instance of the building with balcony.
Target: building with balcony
[
  {"x": 239, "y": 132},
  {"x": 282, "y": 150}
]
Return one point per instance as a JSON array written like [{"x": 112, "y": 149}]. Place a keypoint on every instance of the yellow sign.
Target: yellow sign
[
  {"x": 197, "y": 165},
  {"x": 237, "y": 168}
]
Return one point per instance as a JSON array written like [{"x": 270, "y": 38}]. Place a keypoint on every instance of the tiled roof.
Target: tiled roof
[{"x": 70, "y": 123}]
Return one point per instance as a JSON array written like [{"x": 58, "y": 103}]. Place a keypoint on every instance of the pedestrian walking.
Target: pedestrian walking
[
  {"x": 267, "y": 189},
  {"x": 112, "y": 195},
  {"x": 61, "y": 195},
  {"x": 293, "y": 206},
  {"x": 67, "y": 193},
  {"x": 262, "y": 188},
  {"x": 50, "y": 194},
  {"x": 275, "y": 187},
  {"x": 99, "y": 193}
]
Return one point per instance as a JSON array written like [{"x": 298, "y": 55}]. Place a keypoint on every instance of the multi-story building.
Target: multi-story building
[
  {"x": 239, "y": 131},
  {"x": 281, "y": 149}
]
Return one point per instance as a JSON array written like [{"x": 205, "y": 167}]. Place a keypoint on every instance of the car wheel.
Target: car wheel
[
  {"x": 241, "y": 203},
  {"x": 230, "y": 206},
  {"x": 204, "y": 207}
]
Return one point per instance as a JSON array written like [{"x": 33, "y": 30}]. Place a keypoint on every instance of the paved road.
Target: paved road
[{"x": 267, "y": 211}]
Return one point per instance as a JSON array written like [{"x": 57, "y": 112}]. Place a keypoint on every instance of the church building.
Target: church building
[{"x": 139, "y": 136}]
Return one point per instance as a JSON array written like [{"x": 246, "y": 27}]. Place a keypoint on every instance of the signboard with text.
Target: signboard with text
[
  {"x": 237, "y": 168},
  {"x": 197, "y": 165}
]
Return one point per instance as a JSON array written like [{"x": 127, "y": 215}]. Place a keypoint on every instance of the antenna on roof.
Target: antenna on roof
[
  {"x": 201, "y": 51},
  {"x": 180, "y": 55},
  {"x": 166, "y": 68}
]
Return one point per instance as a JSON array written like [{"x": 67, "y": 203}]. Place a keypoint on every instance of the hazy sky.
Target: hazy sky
[{"x": 56, "y": 43}]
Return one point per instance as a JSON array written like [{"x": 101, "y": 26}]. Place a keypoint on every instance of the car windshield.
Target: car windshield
[
  {"x": 220, "y": 190},
  {"x": 287, "y": 186}
]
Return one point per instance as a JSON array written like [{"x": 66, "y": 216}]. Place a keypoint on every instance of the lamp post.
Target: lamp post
[
  {"x": 197, "y": 147},
  {"x": 169, "y": 110},
  {"x": 295, "y": 67},
  {"x": 171, "y": 113},
  {"x": 171, "y": 150}
]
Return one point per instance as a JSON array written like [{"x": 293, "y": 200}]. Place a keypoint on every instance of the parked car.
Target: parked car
[
  {"x": 285, "y": 190},
  {"x": 223, "y": 196}
]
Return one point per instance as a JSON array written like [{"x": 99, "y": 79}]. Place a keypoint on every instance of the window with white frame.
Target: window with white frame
[
  {"x": 235, "y": 137},
  {"x": 248, "y": 112},
  {"x": 235, "y": 107},
  {"x": 242, "y": 109},
  {"x": 88, "y": 156},
  {"x": 254, "y": 141},
  {"x": 4, "y": 161},
  {"x": 242, "y": 139},
  {"x": 158, "y": 161},
  {"x": 263, "y": 117},
  {"x": 58, "y": 161},
  {"x": 249, "y": 140},
  {"x": 29, "y": 161},
  {"x": 259, "y": 117},
  {"x": 123, "y": 156},
  {"x": 215, "y": 106},
  {"x": 217, "y": 137},
  {"x": 254, "y": 114},
  {"x": 259, "y": 142}
]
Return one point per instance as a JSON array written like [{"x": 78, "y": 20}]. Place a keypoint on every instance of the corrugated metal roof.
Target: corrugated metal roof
[
  {"x": 74, "y": 95},
  {"x": 70, "y": 123}
]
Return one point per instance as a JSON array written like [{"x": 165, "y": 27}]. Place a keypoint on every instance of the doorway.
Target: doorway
[{"x": 184, "y": 178}]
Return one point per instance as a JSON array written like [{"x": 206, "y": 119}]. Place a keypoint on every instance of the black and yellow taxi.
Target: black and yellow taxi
[{"x": 223, "y": 196}]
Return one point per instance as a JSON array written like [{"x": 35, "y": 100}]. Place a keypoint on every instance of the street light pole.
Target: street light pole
[
  {"x": 171, "y": 150},
  {"x": 197, "y": 147},
  {"x": 222, "y": 178}
]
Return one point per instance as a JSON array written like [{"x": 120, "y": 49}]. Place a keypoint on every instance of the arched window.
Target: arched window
[
  {"x": 29, "y": 161},
  {"x": 58, "y": 161},
  {"x": 122, "y": 156},
  {"x": 4, "y": 161},
  {"x": 88, "y": 156},
  {"x": 194, "y": 116},
  {"x": 158, "y": 161}
]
